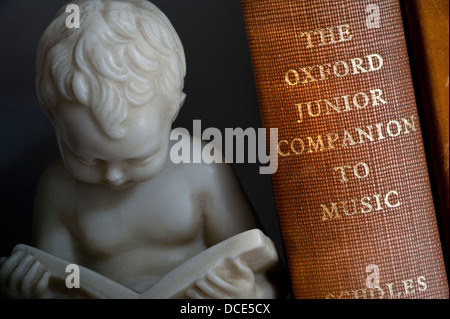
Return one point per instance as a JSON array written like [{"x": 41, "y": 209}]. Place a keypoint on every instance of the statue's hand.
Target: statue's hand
[
  {"x": 22, "y": 276},
  {"x": 232, "y": 279}
]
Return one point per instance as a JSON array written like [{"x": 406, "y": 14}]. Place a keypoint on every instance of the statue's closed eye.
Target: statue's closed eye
[
  {"x": 141, "y": 160},
  {"x": 86, "y": 160}
]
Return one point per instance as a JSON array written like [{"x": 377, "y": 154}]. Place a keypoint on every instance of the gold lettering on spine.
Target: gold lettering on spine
[
  {"x": 334, "y": 140},
  {"x": 331, "y": 138},
  {"x": 307, "y": 71},
  {"x": 308, "y": 37},
  {"x": 357, "y": 65},
  {"x": 294, "y": 149},
  {"x": 280, "y": 152},
  {"x": 380, "y": 131},
  {"x": 360, "y": 100},
  {"x": 330, "y": 214},
  {"x": 323, "y": 71},
  {"x": 300, "y": 112},
  {"x": 327, "y": 35},
  {"x": 344, "y": 292},
  {"x": 335, "y": 107},
  {"x": 371, "y": 64},
  {"x": 363, "y": 205},
  {"x": 421, "y": 281},
  {"x": 377, "y": 198},
  {"x": 336, "y": 69},
  {"x": 373, "y": 295},
  {"x": 344, "y": 32},
  {"x": 409, "y": 288},
  {"x": 317, "y": 146},
  {"x": 410, "y": 125},
  {"x": 365, "y": 202},
  {"x": 323, "y": 35},
  {"x": 376, "y": 97},
  {"x": 348, "y": 138},
  {"x": 356, "y": 169},
  {"x": 362, "y": 134},
  {"x": 360, "y": 293},
  {"x": 341, "y": 68},
  {"x": 347, "y": 104},
  {"x": 287, "y": 77},
  {"x": 356, "y": 100},
  {"x": 310, "y": 111},
  {"x": 389, "y": 128},
  {"x": 366, "y": 170},
  {"x": 346, "y": 212},
  {"x": 342, "y": 169},
  {"x": 389, "y": 204},
  {"x": 392, "y": 290}
]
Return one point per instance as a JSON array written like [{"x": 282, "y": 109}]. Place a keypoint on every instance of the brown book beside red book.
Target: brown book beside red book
[
  {"x": 429, "y": 38},
  {"x": 352, "y": 187}
]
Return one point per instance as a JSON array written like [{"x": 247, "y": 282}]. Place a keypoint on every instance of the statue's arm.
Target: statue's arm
[
  {"x": 47, "y": 278},
  {"x": 227, "y": 212},
  {"x": 248, "y": 252},
  {"x": 226, "y": 209}
]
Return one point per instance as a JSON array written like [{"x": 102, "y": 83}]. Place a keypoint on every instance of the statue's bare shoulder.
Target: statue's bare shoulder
[{"x": 53, "y": 199}]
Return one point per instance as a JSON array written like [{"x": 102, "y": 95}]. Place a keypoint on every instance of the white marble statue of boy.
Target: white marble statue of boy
[{"x": 115, "y": 203}]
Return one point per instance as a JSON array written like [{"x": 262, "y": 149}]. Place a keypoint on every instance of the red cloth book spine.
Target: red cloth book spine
[{"x": 352, "y": 187}]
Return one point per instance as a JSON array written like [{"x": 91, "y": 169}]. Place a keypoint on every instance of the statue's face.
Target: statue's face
[{"x": 93, "y": 157}]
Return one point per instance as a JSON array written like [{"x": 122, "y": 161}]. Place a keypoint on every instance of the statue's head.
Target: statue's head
[{"x": 112, "y": 89}]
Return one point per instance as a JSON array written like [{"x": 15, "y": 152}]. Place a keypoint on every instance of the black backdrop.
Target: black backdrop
[{"x": 219, "y": 86}]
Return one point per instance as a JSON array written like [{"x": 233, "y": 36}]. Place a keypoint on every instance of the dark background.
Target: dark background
[{"x": 219, "y": 86}]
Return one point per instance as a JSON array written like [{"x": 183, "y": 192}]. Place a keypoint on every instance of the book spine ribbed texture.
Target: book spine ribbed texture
[{"x": 352, "y": 188}]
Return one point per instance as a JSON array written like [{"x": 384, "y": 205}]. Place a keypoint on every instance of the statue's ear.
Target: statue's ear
[{"x": 180, "y": 103}]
